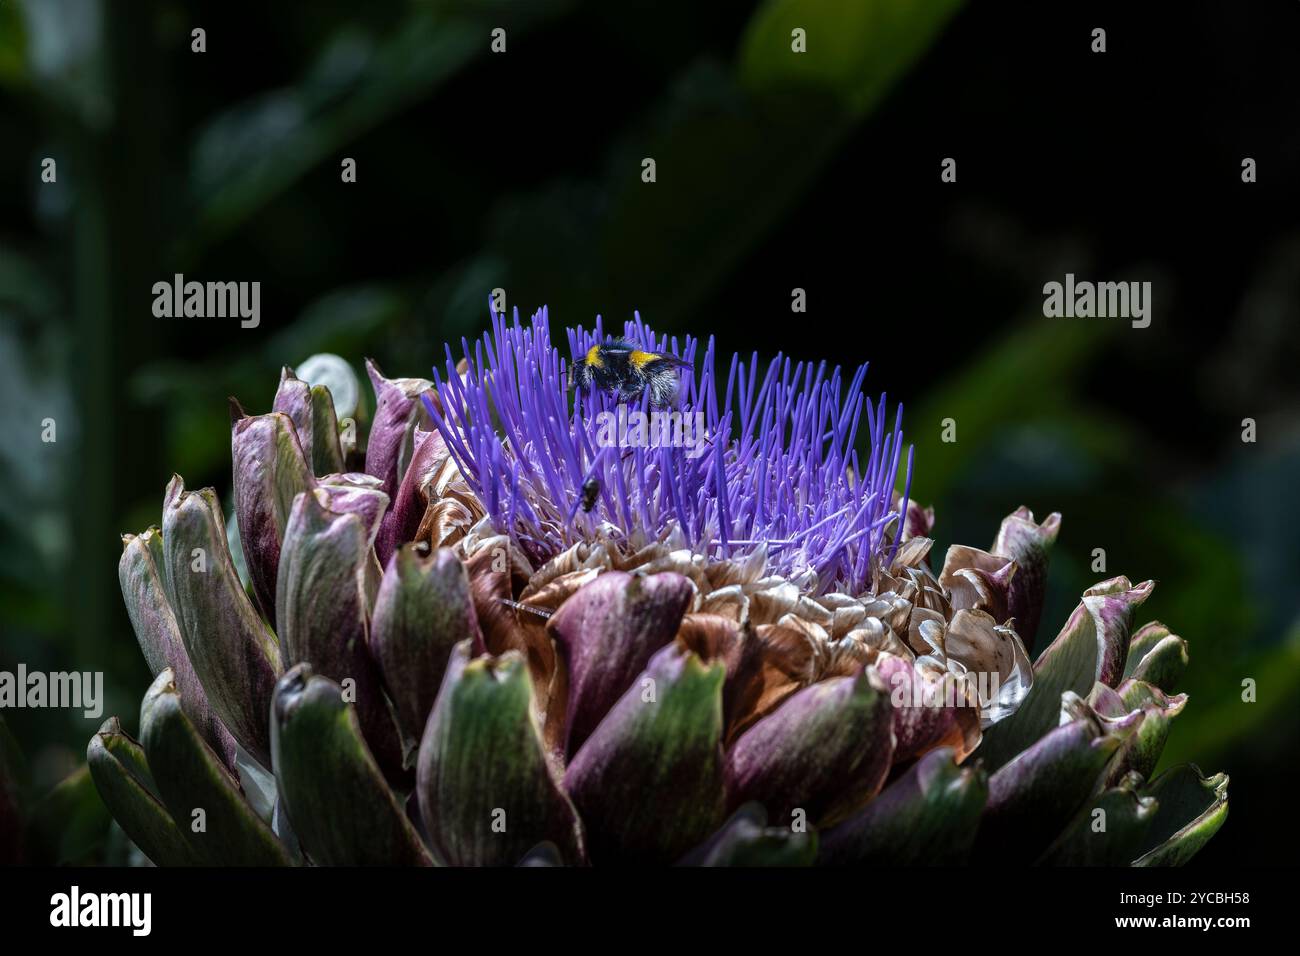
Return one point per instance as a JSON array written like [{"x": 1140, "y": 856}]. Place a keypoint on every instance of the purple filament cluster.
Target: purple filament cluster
[{"x": 778, "y": 466}]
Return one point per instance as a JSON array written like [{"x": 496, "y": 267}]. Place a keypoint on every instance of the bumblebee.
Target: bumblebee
[{"x": 625, "y": 371}]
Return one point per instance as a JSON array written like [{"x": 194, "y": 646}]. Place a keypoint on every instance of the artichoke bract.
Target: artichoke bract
[{"x": 524, "y": 636}]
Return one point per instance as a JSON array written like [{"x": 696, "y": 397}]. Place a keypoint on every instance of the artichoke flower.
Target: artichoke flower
[{"x": 502, "y": 636}]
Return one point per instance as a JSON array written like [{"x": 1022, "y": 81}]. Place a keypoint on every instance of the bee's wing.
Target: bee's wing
[{"x": 642, "y": 360}]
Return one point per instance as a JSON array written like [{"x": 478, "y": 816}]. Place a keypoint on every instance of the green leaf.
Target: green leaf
[
  {"x": 648, "y": 782},
  {"x": 311, "y": 411},
  {"x": 746, "y": 840},
  {"x": 855, "y": 51},
  {"x": 1191, "y": 809},
  {"x": 1141, "y": 752},
  {"x": 1217, "y": 725},
  {"x": 1109, "y": 838},
  {"x": 734, "y": 150},
  {"x": 423, "y": 610},
  {"x": 327, "y": 449},
  {"x": 121, "y": 774},
  {"x": 69, "y": 825},
  {"x": 13, "y": 783},
  {"x": 233, "y": 652},
  {"x": 1034, "y": 366},
  {"x": 927, "y": 817},
  {"x": 140, "y": 572},
  {"x": 249, "y": 155},
  {"x": 341, "y": 809},
  {"x": 488, "y": 791},
  {"x": 13, "y": 46},
  {"x": 1157, "y": 657},
  {"x": 270, "y": 471},
  {"x": 200, "y": 793},
  {"x": 825, "y": 751},
  {"x": 1035, "y": 796},
  {"x": 327, "y": 552}
]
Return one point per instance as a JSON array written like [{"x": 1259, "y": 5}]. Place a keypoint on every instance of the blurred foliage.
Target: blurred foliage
[{"x": 774, "y": 170}]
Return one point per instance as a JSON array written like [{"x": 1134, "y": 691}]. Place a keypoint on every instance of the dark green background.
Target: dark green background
[{"x": 774, "y": 171}]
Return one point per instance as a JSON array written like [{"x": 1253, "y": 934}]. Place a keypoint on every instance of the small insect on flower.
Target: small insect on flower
[
  {"x": 590, "y": 491},
  {"x": 625, "y": 371},
  {"x": 541, "y": 612}
]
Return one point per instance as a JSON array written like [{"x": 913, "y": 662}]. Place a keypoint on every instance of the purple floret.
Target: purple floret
[{"x": 778, "y": 465}]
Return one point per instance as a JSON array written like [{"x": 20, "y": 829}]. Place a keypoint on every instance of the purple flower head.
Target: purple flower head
[{"x": 766, "y": 460}]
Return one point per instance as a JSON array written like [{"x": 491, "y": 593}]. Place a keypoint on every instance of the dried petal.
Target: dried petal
[
  {"x": 977, "y": 580},
  {"x": 1029, "y": 544},
  {"x": 994, "y": 659},
  {"x": 928, "y": 712}
]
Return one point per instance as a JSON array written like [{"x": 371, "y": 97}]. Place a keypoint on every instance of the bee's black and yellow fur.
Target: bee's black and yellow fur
[{"x": 626, "y": 371}]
